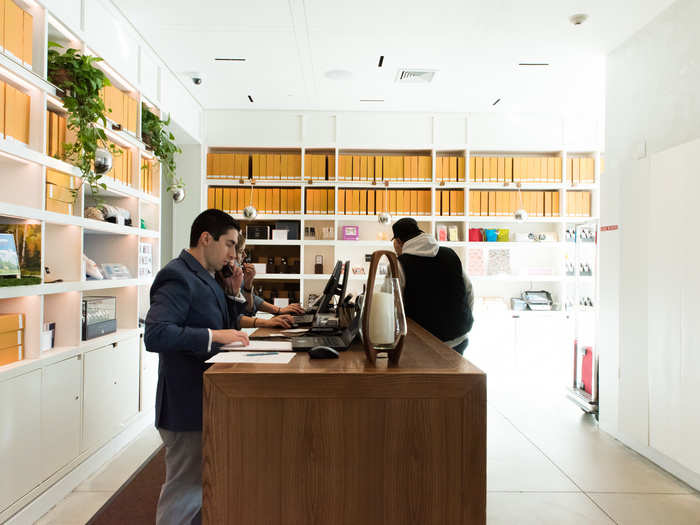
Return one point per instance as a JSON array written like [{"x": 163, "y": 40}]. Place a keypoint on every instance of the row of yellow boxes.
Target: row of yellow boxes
[
  {"x": 397, "y": 168},
  {"x": 265, "y": 200},
  {"x": 60, "y": 192},
  {"x": 373, "y": 202},
  {"x": 16, "y": 32},
  {"x": 320, "y": 201},
  {"x": 124, "y": 108},
  {"x": 57, "y": 134},
  {"x": 515, "y": 169},
  {"x": 150, "y": 174},
  {"x": 14, "y": 113},
  {"x": 506, "y": 203},
  {"x": 449, "y": 202},
  {"x": 578, "y": 203},
  {"x": 11, "y": 338},
  {"x": 122, "y": 165},
  {"x": 265, "y": 166},
  {"x": 450, "y": 168},
  {"x": 580, "y": 170}
]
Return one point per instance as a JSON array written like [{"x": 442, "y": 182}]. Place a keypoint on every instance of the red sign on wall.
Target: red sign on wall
[{"x": 610, "y": 228}]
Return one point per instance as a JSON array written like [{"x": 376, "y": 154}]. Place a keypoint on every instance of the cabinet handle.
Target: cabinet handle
[
  {"x": 114, "y": 345},
  {"x": 79, "y": 357},
  {"x": 77, "y": 397}
]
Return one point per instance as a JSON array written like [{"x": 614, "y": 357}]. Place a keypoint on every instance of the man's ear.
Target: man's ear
[{"x": 205, "y": 238}]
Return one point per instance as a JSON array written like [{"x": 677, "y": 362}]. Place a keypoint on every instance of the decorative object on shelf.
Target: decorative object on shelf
[
  {"x": 250, "y": 212},
  {"x": 115, "y": 271},
  {"x": 99, "y": 316},
  {"x": 90, "y": 269},
  {"x": 540, "y": 300},
  {"x": 20, "y": 253},
  {"x": 146, "y": 260},
  {"x": 491, "y": 235},
  {"x": 328, "y": 233},
  {"x": 155, "y": 134},
  {"x": 47, "y": 337},
  {"x": 81, "y": 82},
  {"x": 498, "y": 262},
  {"x": 503, "y": 235},
  {"x": 476, "y": 265},
  {"x": 279, "y": 235},
  {"x": 476, "y": 235},
  {"x": 441, "y": 231},
  {"x": 318, "y": 265},
  {"x": 350, "y": 233},
  {"x": 292, "y": 228},
  {"x": 358, "y": 270},
  {"x": 115, "y": 215},
  {"x": 258, "y": 232},
  {"x": 103, "y": 161},
  {"x": 143, "y": 224},
  {"x": 383, "y": 318},
  {"x": 93, "y": 212},
  {"x": 453, "y": 233}
]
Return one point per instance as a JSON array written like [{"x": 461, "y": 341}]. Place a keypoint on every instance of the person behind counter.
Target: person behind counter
[
  {"x": 437, "y": 293},
  {"x": 255, "y": 303},
  {"x": 190, "y": 318}
]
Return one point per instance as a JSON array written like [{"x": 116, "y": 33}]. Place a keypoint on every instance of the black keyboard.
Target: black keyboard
[{"x": 333, "y": 341}]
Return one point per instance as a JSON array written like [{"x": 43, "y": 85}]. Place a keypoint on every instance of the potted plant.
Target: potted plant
[
  {"x": 80, "y": 81},
  {"x": 156, "y": 135}
]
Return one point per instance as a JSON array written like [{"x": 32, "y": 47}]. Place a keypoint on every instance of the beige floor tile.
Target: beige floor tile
[
  {"x": 113, "y": 475},
  {"x": 651, "y": 509},
  {"x": 543, "y": 509},
  {"x": 76, "y": 509},
  {"x": 515, "y": 465}
]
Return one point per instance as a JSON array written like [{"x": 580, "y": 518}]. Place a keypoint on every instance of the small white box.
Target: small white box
[
  {"x": 45, "y": 340},
  {"x": 279, "y": 235}
]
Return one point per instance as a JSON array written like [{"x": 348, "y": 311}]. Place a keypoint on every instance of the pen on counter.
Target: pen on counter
[{"x": 261, "y": 353}]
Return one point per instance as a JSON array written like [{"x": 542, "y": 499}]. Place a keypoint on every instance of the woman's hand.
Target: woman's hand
[
  {"x": 280, "y": 321},
  {"x": 248, "y": 275},
  {"x": 232, "y": 284},
  {"x": 292, "y": 309}
]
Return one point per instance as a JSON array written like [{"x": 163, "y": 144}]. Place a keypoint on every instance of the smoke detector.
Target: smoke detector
[
  {"x": 415, "y": 76},
  {"x": 578, "y": 19}
]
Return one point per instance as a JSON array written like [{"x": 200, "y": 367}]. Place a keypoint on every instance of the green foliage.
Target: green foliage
[
  {"x": 81, "y": 82},
  {"x": 155, "y": 134}
]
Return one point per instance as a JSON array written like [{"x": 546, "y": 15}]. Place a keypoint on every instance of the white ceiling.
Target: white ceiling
[{"x": 475, "y": 45}]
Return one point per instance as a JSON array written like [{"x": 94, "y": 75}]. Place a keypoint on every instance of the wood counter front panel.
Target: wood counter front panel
[{"x": 369, "y": 456}]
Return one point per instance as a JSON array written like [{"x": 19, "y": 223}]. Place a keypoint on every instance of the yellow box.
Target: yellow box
[
  {"x": 11, "y": 354},
  {"x": 11, "y": 322},
  {"x": 12, "y": 338},
  {"x": 59, "y": 193},
  {"x": 59, "y": 207}
]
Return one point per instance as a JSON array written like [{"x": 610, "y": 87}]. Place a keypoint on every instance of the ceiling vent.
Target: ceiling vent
[{"x": 415, "y": 76}]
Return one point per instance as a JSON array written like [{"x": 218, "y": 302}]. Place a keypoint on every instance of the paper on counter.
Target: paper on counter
[
  {"x": 257, "y": 345},
  {"x": 243, "y": 357},
  {"x": 296, "y": 330}
]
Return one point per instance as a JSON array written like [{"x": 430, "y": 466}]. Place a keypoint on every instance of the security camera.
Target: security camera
[{"x": 197, "y": 79}]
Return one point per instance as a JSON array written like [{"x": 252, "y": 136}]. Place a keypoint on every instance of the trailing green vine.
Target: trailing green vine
[
  {"x": 155, "y": 133},
  {"x": 81, "y": 82}
]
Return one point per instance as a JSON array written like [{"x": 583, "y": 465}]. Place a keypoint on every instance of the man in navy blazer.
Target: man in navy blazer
[{"x": 189, "y": 319}]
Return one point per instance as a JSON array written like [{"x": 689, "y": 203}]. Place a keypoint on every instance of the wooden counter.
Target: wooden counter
[{"x": 341, "y": 442}]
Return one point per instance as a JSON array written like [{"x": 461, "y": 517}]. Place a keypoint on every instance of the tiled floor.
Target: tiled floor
[{"x": 547, "y": 464}]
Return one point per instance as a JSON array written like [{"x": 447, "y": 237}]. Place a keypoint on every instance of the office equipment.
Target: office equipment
[
  {"x": 350, "y": 233},
  {"x": 338, "y": 340},
  {"x": 538, "y": 300},
  {"x": 367, "y": 418},
  {"x": 99, "y": 316},
  {"x": 323, "y": 352}
]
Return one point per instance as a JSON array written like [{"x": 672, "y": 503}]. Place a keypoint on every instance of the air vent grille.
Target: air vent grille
[{"x": 415, "y": 76}]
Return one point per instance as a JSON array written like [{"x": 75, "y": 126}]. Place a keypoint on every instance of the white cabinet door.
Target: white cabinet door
[
  {"x": 60, "y": 414},
  {"x": 125, "y": 357},
  {"x": 99, "y": 420},
  {"x": 149, "y": 378},
  {"x": 20, "y": 422}
]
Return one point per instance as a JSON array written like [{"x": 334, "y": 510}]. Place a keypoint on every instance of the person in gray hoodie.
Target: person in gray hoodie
[{"x": 437, "y": 293}]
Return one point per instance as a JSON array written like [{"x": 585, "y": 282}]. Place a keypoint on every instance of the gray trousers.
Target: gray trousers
[{"x": 180, "y": 499}]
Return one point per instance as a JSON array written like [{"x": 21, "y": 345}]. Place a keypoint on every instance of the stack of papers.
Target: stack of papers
[
  {"x": 258, "y": 345},
  {"x": 253, "y": 357}
]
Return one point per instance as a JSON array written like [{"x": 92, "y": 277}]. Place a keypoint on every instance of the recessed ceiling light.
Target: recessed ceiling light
[
  {"x": 578, "y": 19},
  {"x": 229, "y": 59},
  {"x": 381, "y": 61},
  {"x": 534, "y": 64},
  {"x": 250, "y": 98},
  {"x": 338, "y": 74},
  {"x": 371, "y": 100},
  {"x": 496, "y": 101}
]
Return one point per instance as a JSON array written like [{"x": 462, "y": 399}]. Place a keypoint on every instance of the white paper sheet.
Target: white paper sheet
[
  {"x": 259, "y": 345},
  {"x": 296, "y": 330},
  {"x": 281, "y": 358}
]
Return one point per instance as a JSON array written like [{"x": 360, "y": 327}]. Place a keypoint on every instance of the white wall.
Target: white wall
[
  {"x": 512, "y": 131},
  {"x": 190, "y": 167},
  {"x": 653, "y": 119}
]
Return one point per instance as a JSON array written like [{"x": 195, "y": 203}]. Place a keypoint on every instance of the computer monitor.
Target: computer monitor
[{"x": 335, "y": 287}]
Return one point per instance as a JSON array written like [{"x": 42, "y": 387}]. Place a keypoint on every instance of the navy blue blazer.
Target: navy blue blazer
[{"x": 186, "y": 301}]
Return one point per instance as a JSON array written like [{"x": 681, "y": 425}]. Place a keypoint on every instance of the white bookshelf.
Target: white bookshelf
[{"x": 90, "y": 385}]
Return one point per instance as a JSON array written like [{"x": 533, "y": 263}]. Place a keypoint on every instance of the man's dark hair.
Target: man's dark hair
[{"x": 216, "y": 222}]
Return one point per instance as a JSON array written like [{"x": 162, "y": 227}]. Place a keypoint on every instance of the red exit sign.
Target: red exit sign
[{"x": 610, "y": 228}]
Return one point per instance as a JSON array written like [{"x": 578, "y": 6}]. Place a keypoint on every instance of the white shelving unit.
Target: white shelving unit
[
  {"x": 99, "y": 390},
  {"x": 526, "y": 253}
]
